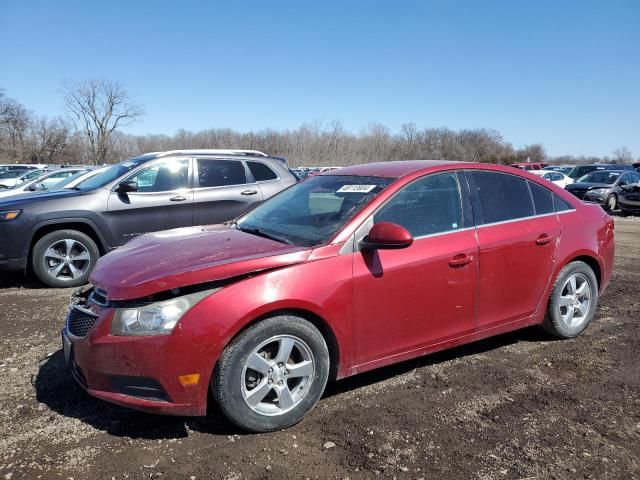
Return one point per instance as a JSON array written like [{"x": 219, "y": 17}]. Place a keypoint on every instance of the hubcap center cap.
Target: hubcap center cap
[{"x": 278, "y": 374}]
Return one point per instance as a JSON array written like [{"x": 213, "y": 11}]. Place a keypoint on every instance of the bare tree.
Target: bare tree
[
  {"x": 98, "y": 108},
  {"x": 622, "y": 155}
]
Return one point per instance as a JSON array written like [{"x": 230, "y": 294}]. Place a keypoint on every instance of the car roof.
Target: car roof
[{"x": 393, "y": 169}]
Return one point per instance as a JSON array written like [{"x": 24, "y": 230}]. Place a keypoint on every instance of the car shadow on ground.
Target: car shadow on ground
[
  {"x": 18, "y": 280},
  {"x": 56, "y": 389}
]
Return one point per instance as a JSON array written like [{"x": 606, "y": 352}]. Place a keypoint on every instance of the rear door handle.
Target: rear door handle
[
  {"x": 460, "y": 260},
  {"x": 249, "y": 192},
  {"x": 179, "y": 198},
  {"x": 544, "y": 239}
]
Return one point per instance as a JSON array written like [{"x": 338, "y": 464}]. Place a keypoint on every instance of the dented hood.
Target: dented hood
[{"x": 187, "y": 256}]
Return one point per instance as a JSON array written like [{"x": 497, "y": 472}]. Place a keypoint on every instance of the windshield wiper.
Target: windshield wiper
[{"x": 261, "y": 233}]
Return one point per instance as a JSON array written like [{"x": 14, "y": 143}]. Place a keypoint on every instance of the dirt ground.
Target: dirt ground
[{"x": 518, "y": 406}]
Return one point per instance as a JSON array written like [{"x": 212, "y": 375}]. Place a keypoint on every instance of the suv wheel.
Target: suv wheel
[
  {"x": 573, "y": 301},
  {"x": 64, "y": 258},
  {"x": 272, "y": 374}
]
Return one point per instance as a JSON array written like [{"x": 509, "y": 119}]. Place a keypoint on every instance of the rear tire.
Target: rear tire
[
  {"x": 272, "y": 375},
  {"x": 64, "y": 258},
  {"x": 573, "y": 301}
]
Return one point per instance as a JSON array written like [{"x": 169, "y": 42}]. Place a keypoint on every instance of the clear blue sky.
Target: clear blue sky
[{"x": 564, "y": 73}]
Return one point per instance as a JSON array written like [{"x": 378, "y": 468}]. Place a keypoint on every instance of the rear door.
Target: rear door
[
  {"x": 225, "y": 190},
  {"x": 517, "y": 245},
  {"x": 164, "y": 200}
]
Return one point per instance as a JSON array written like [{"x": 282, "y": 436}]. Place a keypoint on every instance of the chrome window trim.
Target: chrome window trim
[{"x": 525, "y": 218}]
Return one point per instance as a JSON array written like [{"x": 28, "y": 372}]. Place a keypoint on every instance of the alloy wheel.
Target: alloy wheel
[
  {"x": 575, "y": 300},
  {"x": 277, "y": 375},
  {"x": 67, "y": 259}
]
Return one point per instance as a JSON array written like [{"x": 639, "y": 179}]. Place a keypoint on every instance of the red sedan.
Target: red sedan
[{"x": 342, "y": 273}]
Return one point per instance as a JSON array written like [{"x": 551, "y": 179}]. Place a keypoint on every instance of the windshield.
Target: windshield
[
  {"x": 310, "y": 213},
  {"x": 113, "y": 172},
  {"x": 601, "y": 176}
]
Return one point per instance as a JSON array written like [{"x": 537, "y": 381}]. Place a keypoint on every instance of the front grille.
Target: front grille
[
  {"x": 80, "y": 321},
  {"x": 578, "y": 192},
  {"x": 99, "y": 297}
]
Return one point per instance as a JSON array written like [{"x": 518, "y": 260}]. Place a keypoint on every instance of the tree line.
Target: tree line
[{"x": 98, "y": 110}]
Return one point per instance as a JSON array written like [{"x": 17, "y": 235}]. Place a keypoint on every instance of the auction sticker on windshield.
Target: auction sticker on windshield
[{"x": 355, "y": 188}]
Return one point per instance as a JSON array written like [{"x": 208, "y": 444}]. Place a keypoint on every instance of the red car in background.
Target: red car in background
[{"x": 344, "y": 272}]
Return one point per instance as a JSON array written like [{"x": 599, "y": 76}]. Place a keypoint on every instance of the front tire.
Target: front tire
[
  {"x": 611, "y": 203},
  {"x": 272, "y": 375},
  {"x": 573, "y": 301},
  {"x": 64, "y": 258}
]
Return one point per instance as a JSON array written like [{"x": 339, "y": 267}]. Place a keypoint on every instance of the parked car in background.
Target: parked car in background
[
  {"x": 560, "y": 168},
  {"x": 345, "y": 272},
  {"x": 603, "y": 186},
  {"x": 9, "y": 178},
  {"x": 582, "y": 170},
  {"x": 629, "y": 199},
  {"x": 8, "y": 167},
  {"x": 554, "y": 176},
  {"x": 60, "y": 234},
  {"x": 77, "y": 178},
  {"x": 529, "y": 165},
  {"x": 41, "y": 182}
]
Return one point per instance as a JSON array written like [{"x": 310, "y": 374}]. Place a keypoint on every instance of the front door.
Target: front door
[
  {"x": 426, "y": 293},
  {"x": 163, "y": 200}
]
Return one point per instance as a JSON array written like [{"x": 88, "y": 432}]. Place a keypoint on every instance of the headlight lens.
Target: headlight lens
[
  {"x": 9, "y": 215},
  {"x": 597, "y": 191},
  {"x": 158, "y": 318}
]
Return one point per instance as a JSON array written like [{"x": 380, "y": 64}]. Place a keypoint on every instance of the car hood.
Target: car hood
[
  {"x": 27, "y": 198},
  {"x": 588, "y": 186},
  {"x": 176, "y": 258}
]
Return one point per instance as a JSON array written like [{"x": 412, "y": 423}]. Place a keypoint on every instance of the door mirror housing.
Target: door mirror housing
[
  {"x": 387, "y": 236},
  {"x": 126, "y": 187},
  {"x": 34, "y": 187}
]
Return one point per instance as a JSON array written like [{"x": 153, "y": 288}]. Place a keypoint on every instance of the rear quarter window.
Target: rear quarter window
[{"x": 261, "y": 172}]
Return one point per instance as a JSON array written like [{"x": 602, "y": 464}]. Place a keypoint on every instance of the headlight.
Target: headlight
[
  {"x": 9, "y": 215},
  {"x": 598, "y": 191},
  {"x": 158, "y": 318}
]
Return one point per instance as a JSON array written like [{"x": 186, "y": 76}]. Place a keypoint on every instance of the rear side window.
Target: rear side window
[
  {"x": 261, "y": 172},
  {"x": 427, "y": 206},
  {"x": 542, "y": 199},
  {"x": 219, "y": 173},
  {"x": 502, "y": 197}
]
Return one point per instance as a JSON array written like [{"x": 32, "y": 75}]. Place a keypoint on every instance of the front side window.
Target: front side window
[
  {"x": 220, "y": 173},
  {"x": 502, "y": 197},
  {"x": 172, "y": 174},
  {"x": 261, "y": 172},
  {"x": 427, "y": 206},
  {"x": 310, "y": 213}
]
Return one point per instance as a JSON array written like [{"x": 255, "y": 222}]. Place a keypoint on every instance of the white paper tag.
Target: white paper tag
[{"x": 355, "y": 188}]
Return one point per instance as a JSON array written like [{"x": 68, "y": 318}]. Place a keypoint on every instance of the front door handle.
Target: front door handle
[
  {"x": 249, "y": 192},
  {"x": 543, "y": 239},
  {"x": 179, "y": 198},
  {"x": 460, "y": 260}
]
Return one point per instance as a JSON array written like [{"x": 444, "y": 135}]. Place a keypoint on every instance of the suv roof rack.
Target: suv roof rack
[{"x": 253, "y": 153}]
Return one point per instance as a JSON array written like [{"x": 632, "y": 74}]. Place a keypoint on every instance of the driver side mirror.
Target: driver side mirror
[
  {"x": 34, "y": 187},
  {"x": 126, "y": 187},
  {"x": 387, "y": 236}
]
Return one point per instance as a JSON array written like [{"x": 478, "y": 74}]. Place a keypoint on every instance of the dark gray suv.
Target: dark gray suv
[{"x": 60, "y": 234}]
